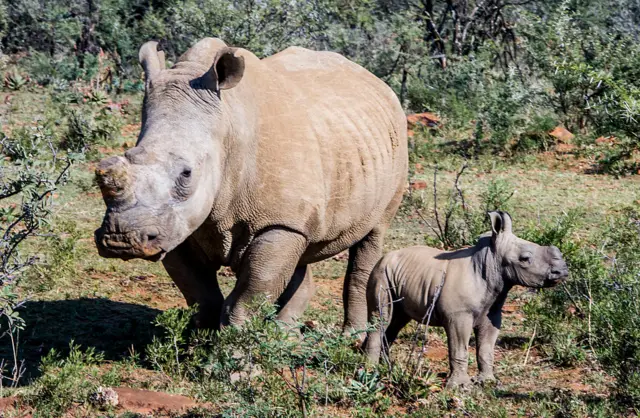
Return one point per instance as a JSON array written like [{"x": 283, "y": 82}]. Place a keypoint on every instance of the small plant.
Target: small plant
[
  {"x": 88, "y": 128},
  {"x": 64, "y": 380},
  {"x": 459, "y": 223},
  {"x": 96, "y": 97},
  {"x": 14, "y": 81}
]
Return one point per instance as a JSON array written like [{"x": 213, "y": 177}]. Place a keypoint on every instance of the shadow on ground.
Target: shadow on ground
[
  {"x": 108, "y": 326},
  {"x": 556, "y": 395},
  {"x": 512, "y": 342}
]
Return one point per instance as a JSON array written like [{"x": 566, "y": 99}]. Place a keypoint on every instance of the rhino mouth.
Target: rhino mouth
[
  {"x": 123, "y": 247},
  {"x": 553, "y": 279}
]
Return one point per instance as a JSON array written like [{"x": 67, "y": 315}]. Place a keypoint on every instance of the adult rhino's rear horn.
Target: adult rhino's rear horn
[
  {"x": 151, "y": 59},
  {"x": 113, "y": 178}
]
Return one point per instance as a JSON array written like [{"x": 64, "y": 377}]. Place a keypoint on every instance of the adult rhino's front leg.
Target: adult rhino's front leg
[
  {"x": 363, "y": 257},
  {"x": 196, "y": 278},
  {"x": 267, "y": 267}
]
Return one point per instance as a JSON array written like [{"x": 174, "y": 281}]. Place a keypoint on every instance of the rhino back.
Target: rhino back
[
  {"x": 418, "y": 274},
  {"x": 331, "y": 151}
]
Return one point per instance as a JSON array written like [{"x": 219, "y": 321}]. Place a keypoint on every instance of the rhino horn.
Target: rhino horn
[{"x": 113, "y": 178}]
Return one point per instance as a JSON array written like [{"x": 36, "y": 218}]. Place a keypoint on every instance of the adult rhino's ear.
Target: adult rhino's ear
[
  {"x": 151, "y": 59},
  {"x": 500, "y": 223},
  {"x": 226, "y": 71}
]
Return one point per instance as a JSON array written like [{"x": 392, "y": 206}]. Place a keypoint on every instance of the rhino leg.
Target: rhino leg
[
  {"x": 267, "y": 267},
  {"x": 197, "y": 280},
  {"x": 458, "y": 331},
  {"x": 296, "y": 297},
  {"x": 363, "y": 257},
  {"x": 380, "y": 311},
  {"x": 486, "y": 335}
]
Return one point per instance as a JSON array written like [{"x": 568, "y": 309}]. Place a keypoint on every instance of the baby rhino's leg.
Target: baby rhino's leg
[
  {"x": 486, "y": 335},
  {"x": 458, "y": 331}
]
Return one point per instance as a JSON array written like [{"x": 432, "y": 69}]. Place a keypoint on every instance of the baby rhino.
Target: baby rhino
[{"x": 466, "y": 287}]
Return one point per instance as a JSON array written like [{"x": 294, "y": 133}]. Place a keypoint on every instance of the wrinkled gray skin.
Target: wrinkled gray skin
[
  {"x": 404, "y": 283},
  {"x": 265, "y": 166}
]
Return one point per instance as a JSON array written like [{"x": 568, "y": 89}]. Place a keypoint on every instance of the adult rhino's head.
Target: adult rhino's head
[
  {"x": 163, "y": 189},
  {"x": 522, "y": 262}
]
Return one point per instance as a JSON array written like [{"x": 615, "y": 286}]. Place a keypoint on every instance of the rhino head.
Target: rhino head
[
  {"x": 163, "y": 189},
  {"x": 522, "y": 262}
]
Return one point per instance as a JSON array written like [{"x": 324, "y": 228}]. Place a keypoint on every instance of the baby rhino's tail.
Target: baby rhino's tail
[{"x": 379, "y": 308}]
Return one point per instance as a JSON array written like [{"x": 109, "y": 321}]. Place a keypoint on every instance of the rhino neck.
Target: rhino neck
[
  {"x": 486, "y": 265},
  {"x": 241, "y": 114}
]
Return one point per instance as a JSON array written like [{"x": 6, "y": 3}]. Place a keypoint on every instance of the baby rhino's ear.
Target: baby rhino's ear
[{"x": 500, "y": 223}]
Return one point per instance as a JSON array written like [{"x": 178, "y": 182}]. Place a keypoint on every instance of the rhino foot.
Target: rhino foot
[
  {"x": 459, "y": 382},
  {"x": 485, "y": 380}
]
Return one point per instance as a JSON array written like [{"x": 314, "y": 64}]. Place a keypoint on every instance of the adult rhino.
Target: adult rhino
[{"x": 265, "y": 166}]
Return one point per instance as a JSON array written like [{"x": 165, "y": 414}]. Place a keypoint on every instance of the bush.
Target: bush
[
  {"x": 29, "y": 175},
  {"x": 266, "y": 368},
  {"x": 596, "y": 313},
  {"x": 64, "y": 381},
  {"x": 456, "y": 221},
  {"x": 91, "y": 125}
]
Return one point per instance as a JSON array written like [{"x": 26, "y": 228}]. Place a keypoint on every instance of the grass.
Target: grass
[{"x": 109, "y": 305}]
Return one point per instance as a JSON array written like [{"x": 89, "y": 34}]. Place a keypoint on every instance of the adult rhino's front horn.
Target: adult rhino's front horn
[{"x": 114, "y": 180}]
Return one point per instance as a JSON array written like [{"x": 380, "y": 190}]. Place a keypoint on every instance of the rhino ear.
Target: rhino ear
[
  {"x": 500, "y": 223},
  {"x": 151, "y": 59},
  {"x": 226, "y": 71}
]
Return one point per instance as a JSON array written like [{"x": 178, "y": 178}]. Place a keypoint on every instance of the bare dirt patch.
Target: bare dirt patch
[{"x": 148, "y": 402}]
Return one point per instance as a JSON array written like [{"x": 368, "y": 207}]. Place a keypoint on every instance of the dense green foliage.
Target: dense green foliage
[{"x": 504, "y": 71}]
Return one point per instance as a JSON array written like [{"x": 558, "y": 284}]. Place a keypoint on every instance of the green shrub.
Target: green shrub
[
  {"x": 64, "y": 381},
  {"x": 30, "y": 172},
  {"x": 595, "y": 315},
  {"x": 89, "y": 126},
  {"x": 454, "y": 220}
]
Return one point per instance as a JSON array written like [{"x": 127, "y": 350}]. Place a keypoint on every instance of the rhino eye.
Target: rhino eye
[
  {"x": 525, "y": 258},
  {"x": 186, "y": 173}
]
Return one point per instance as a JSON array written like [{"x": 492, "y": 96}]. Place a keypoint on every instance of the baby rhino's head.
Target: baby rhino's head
[{"x": 522, "y": 262}]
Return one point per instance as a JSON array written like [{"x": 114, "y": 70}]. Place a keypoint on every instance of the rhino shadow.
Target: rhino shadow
[{"x": 110, "y": 327}]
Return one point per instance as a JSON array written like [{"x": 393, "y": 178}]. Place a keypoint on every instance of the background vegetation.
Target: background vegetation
[{"x": 526, "y": 106}]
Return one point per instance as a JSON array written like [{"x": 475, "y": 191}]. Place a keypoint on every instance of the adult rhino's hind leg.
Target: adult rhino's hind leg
[
  {"x": 196, "y": 278},
  {"x": 363, "y": 257}
]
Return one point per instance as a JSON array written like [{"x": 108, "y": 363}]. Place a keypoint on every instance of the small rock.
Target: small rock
[
  {"x": 418, "y": 184},
  {"x": 561, "y": 134},
  {"x": 609, "y": 140},
  {"x": 311, "y": 324},
  {"x": 104, "y": 397},
  {"x": 423, "y": 119}
]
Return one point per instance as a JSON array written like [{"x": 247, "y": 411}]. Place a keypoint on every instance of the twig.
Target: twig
[
  {"x": 526, "y": 357},
  {"x": 436, "y": 296}
]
